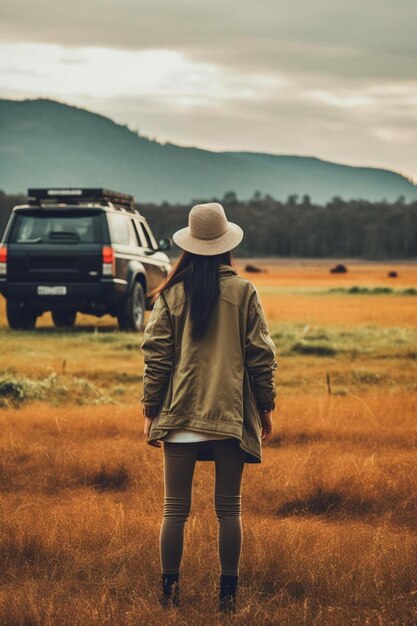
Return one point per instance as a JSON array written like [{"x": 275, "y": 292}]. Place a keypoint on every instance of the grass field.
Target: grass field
[{"x": 329, "y": 517}]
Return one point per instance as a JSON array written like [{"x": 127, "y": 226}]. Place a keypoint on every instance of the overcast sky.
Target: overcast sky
[{"x": 327, "y": 78}]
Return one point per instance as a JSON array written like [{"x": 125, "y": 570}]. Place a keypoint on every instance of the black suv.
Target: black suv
[{"x": 87, "y": 250}]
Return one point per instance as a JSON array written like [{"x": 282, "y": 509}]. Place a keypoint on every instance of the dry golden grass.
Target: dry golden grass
[
  {"x": 315, "y": 273},
  {"x": 329, "y": 517},
  {"x": 389, "y": 311}
]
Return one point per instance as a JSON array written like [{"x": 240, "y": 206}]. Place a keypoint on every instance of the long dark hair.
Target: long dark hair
[{"x": 200, "y": 275}]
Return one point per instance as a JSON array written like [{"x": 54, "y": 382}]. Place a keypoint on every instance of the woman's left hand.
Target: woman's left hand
[{"x": 146, "y": 430}]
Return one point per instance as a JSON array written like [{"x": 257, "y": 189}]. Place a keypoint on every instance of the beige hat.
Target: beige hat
[{"x": 208, "y": 231}]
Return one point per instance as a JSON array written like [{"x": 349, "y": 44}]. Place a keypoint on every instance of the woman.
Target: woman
[{"x": 208, "y": 388}]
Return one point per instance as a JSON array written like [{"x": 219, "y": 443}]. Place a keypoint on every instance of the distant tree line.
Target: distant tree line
[
  {"x": 296, "y": 227},
  {"x": 299, "y": 228}
]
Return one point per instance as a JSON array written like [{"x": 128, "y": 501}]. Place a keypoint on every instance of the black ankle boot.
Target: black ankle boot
[
  {"x": 170, "y": 590},
  {"x": 227, "y": 596}
]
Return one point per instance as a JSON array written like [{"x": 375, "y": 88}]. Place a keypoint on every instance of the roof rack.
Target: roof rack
[{"x": 80, "y": 196}]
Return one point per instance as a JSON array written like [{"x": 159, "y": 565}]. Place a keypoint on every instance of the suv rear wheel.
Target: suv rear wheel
[
  {"x": 132, "y": 313},
  {"x": 63, "y": 318},
  {"x": 20, "y": 316}
]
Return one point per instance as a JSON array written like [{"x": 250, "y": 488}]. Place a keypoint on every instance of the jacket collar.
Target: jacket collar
[{"x": 226, "y": 269}]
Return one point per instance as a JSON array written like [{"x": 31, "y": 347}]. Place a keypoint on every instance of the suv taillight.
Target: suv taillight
[
  {"x": 3, "y": 260},
  {"x": 108, "y": 261}
]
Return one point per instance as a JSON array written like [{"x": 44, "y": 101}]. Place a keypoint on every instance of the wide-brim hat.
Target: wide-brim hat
[{"x": 208, "y": 231}]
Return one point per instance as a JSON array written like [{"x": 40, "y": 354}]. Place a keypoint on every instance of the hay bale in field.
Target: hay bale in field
[
  {"x": 254, "y": 268},
  {"x": 392, "y": 274},
  {"x": 338, "y": 269}
]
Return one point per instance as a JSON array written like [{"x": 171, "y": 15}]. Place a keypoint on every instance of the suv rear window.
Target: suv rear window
[{"x": 57, "y": 226}]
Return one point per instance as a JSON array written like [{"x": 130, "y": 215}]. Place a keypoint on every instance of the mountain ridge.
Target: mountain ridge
[{"x": 49, "y": 143}]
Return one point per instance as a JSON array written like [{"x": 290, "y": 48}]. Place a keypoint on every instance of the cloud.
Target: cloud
[
  {"x": 352, "y": 39},
  {"x": 324, "y": 78},
  {"x": 103, "y": 72}
]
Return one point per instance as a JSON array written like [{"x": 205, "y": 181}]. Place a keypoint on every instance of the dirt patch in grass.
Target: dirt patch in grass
[
  {"x": 326, "y": 502},
  {"x": 312, "y": 349},
  {"x": 109, "y": 478}
]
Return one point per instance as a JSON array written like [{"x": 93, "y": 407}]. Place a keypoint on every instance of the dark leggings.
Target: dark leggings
[{"x": 179, "y": 464}]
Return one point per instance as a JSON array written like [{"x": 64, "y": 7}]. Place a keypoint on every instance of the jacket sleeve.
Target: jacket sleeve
[
  {"x": 260, "y": 354},
  {"x": 158, "y": 354}
]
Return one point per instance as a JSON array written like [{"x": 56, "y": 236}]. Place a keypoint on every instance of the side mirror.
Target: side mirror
[{"x": 165, "y": 243}]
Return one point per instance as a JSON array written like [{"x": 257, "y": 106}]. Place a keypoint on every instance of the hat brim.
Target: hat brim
[{"x": 229, "y": 240}]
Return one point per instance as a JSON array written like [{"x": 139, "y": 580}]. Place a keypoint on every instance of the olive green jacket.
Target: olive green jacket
[{"x": 214, "y": 385}]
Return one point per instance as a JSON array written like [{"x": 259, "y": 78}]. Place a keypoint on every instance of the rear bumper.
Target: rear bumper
[{"x": 103, "y": 295}]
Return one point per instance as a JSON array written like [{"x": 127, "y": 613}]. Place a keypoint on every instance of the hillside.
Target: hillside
[{"x": 46, "y": 143}]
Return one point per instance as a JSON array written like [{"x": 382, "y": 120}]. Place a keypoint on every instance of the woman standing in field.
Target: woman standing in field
[{"x": 208, "y": 388}]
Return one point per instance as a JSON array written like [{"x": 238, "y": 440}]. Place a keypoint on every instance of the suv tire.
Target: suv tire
[
  {"x": 20, "y": 316},
  {"x": 132, "y": 314},
  {"x": 63, "y": 319}
]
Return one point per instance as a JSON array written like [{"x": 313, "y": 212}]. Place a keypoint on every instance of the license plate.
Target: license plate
[{"x": 48, "y": 290}]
